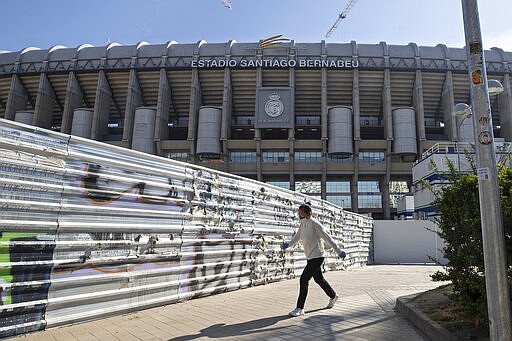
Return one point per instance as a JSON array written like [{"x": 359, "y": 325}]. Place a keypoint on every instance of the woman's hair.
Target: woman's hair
[{"x": 305, "y": 207}]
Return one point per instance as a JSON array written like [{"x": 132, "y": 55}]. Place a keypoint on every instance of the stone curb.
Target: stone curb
[{"x": 433, "y": 330}]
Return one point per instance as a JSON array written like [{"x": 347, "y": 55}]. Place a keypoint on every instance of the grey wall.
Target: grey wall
[{"x": 403, "y": 241}]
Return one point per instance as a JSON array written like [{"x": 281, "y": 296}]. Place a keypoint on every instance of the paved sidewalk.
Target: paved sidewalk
[{"x": 366, "y": 312}]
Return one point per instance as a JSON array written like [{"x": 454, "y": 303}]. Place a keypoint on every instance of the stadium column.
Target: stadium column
[
  {"x": 163, "y": 106},
  {"x": 448, "y": 101},
  {"x": 505, "y": 105},
  {"x": 17, "y": 98},
  {"x": 227, "y": 105},
  {"x": 324, "y": 116},
  {"x": 357, "y": 138},
  {"x": 101, "y": 113},
  {"x": 291, "y": 131},
  {"x": 388, "y": 127},
  {"x": 195, "y": 104},
  {"x": 45, "y": 100},
  {"x": 417, "y": 102},
  {"x": 74, "y": 99},
  {"x": 133, "y": 101},
  {"x": 257, "y": 131}
]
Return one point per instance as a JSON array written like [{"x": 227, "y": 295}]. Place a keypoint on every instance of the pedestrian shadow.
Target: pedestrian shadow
[
  {"x": 221, "y": 330},
  {"x": 323, "y": 324},
  {"x": 316, "y": 310}
]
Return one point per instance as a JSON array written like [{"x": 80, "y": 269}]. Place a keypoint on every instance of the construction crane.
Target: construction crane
[
  {"x": 226, "y": 3},
  {"x": 341, "y": 16}
]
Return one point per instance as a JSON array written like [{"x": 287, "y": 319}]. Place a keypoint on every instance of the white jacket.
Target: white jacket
[{"x": 311, "y": 232}]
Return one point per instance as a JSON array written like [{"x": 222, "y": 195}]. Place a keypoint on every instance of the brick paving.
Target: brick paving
[{"x": 366, "y": 311}]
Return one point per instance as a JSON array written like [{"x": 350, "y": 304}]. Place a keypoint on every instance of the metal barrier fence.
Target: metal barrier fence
[{"x": 89, "y": 230}]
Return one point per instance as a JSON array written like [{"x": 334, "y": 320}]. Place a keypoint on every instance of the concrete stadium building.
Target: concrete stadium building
[{"x": 343, "y": 121}]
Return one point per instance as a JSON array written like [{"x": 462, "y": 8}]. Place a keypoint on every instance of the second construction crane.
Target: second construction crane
[{"x": 341, "y": 16}]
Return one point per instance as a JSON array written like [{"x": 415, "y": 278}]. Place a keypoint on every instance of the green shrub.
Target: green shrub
[{"x": 459, "y": 225}]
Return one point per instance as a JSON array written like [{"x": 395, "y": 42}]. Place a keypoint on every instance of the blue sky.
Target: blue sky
[{"x": 71, "y": 23}]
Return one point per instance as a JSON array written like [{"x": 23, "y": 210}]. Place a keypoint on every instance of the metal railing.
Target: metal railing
[{"x": 447, "y": 148}]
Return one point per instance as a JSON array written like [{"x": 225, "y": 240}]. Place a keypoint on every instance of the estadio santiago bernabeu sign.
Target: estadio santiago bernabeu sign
[{"x": 276, "y": 62}]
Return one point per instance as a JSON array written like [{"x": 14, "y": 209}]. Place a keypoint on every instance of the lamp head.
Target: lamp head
[
  {"x": 494, "y": 86},
  {"x": 462, "y": 109}
]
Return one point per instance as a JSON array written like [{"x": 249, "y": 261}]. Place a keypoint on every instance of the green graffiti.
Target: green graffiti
[{"x": 5, "y": 270}]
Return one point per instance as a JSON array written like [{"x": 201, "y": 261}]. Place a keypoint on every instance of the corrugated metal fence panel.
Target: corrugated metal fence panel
[
  {"x": 30, "y": 191},
  {"x": 90, "y": 230},
  {"x": 119, "y": 236}
]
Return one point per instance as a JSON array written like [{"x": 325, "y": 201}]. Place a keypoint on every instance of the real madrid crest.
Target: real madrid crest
[{"x": 274, "y": 107}]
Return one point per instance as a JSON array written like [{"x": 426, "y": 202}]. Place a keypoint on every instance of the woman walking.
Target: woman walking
[{"x": 311, "y": 233}]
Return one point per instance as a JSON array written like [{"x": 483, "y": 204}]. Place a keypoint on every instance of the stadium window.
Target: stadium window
[
  {"x": 242, "y": 127},
  {"x": 243, "y": 120},
  {"x": 115, "y": 132},
  {"x": 338, "y": 192},
  {"x": 274, "y": 133},
  {"x": 178, "y": 128},
  {"x": 369, "y": 200},
  {"x": 307, "y": 127},
  {"x": 276, "y": 157},
  {"x": 307, "y": 120},
  {"x": 178, "y": 122},
  {"x": 242, "y": 157},
  {"x": 369, "y": 195},
  {"x": 337, "y": 186},
  {"x": 308, "y": 157},
  {"x": 369, "y": 121},
  {"x": 368, "y": 186},
  {"x": 430, "y": 122},
  {"x": 371, "y": 156}
]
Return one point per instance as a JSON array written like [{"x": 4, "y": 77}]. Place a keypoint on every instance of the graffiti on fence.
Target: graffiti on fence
[
  {"x": 217, "y": 262},
  {"x": 25, "y": 268},
  {"x": 106, "y": 185}
]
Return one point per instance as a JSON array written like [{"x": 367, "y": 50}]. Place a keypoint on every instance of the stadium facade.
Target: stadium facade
[{"x": 343, "y": 121}]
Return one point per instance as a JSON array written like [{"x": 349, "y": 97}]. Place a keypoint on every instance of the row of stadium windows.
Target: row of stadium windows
[
  {"x": 300, "y": 156},
  {"x": 338, "y": 192},
  {"x": 306, "y": 128},
  {"x": 371, "y": 121}
]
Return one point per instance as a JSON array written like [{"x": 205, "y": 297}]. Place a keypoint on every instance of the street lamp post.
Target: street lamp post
[{"x": 495, "y": 262}]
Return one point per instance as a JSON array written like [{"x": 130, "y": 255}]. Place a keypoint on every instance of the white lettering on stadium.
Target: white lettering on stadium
[{"x": 275, "y": 63}]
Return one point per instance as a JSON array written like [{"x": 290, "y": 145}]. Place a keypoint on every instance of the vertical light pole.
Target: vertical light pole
[{"x": 498, "y": 296}]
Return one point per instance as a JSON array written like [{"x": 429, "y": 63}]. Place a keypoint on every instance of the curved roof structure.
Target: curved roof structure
[{"x": 174, "y": 55}]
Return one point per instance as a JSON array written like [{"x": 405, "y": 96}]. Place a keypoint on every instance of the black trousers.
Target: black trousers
[{"x": 313, "y": 269}]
